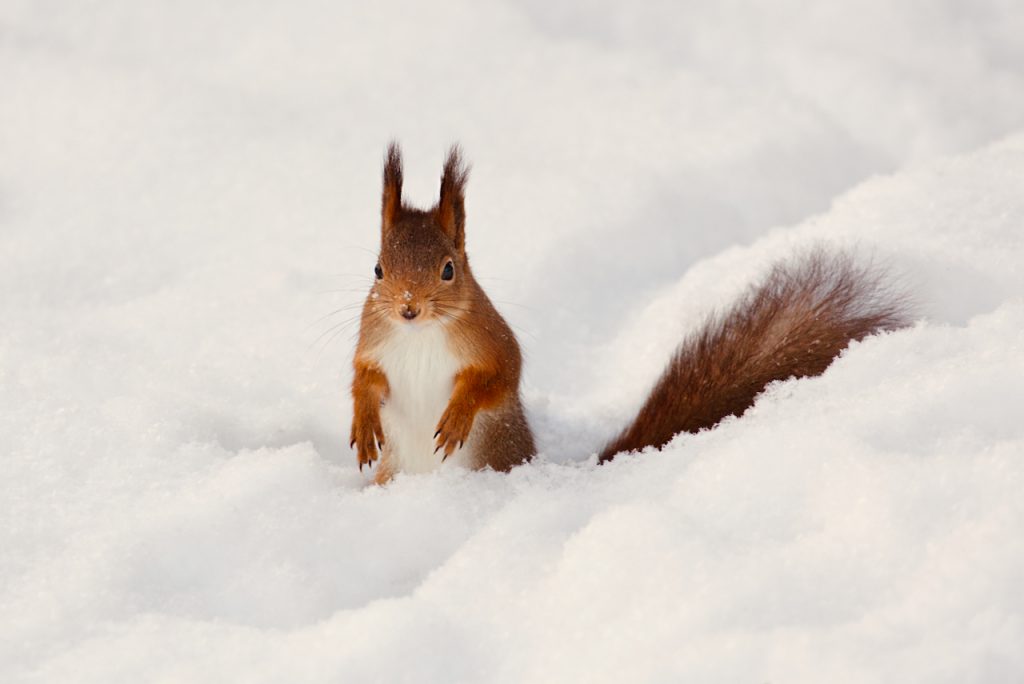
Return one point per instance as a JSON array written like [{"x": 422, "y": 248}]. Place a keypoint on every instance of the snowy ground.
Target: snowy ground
[{"x": 186, "y": 189}]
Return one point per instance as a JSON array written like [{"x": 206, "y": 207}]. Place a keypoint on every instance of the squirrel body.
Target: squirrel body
[{"x": 437, "y": 369}]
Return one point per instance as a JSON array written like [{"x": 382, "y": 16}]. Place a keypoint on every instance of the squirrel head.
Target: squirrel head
[{"x": 422, "y": 273}]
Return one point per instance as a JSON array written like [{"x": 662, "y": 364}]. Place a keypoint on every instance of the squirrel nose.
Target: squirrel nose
[{"x": 409, "y": 313}]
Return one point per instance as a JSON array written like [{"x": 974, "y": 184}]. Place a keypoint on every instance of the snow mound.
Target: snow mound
[{"x": 182, "y": 182}]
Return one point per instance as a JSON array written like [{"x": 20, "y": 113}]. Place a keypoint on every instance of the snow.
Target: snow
[{"x": 187, "y": 188}]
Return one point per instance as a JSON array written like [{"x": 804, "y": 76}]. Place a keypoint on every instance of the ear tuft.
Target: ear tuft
[
  {"x": 451, "y": 211},
  {"x": 391, "y": 200}
]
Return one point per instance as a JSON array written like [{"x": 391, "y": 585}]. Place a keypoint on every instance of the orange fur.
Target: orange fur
[
  {"x": 369, "y": 389},
  {"x": 455, "y": 364},
  {"x": 391, "y": 197},
  {"x": 475, "y": 389},
  {"x": 484, "y": 403},
  {"x": 791, "y": 325},
  {"x": 450, "y": 212}
]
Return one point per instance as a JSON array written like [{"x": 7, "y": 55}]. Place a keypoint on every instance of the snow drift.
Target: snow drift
[{"x": 186, "y": 190}]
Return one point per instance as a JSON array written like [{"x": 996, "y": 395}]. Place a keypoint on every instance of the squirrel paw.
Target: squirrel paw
[
  {"x": 367, "y": 438},
  {"x": 452, "y": 430}
]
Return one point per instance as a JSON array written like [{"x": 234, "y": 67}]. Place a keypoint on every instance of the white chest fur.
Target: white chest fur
[{"x": 420, "y": 368}]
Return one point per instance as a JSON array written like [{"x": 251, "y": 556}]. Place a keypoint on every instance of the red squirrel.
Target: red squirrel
[{"x": 436, "y": 367}]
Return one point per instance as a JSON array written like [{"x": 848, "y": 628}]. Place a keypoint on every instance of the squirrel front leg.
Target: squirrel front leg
[
  {"x": 369, "y": 389},
  {"x": 475, "y": 389}
]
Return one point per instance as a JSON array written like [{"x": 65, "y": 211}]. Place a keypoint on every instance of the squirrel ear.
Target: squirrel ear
[
  {"x": 391, "y": 200},
  {"x": 451, "y": 211}
]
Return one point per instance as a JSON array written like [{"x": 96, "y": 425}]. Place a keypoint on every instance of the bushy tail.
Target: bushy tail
[{"x": 791, "y": 325}]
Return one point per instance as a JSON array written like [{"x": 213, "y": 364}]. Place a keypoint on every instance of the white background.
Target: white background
[{"x": 187, "y": 188}]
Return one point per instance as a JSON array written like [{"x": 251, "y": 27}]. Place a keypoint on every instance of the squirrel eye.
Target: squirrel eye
[
  {"x": 378, "y": 271},
  {"x": 449, "y": 271}
]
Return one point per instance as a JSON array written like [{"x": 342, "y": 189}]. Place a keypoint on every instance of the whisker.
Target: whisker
[
  {"x": 361, "y": 249},
  {"x": 343, "y": 309},
  {"x": 370, "y": 315},
  {"x": 331, "y": 329},
  {"x": 508, "y": 303},
  {"x": 349, "y": 290},
  {"x": 348, "y": 275},
  {"x": 447, "y": 308}
]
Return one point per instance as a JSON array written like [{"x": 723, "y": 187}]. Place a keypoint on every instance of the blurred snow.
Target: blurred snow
[{"x": 188, "y": 188}]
